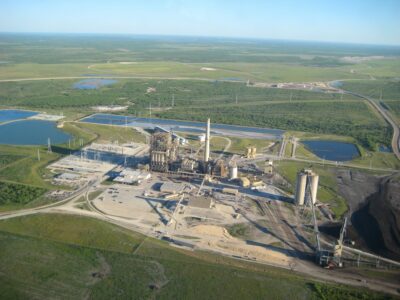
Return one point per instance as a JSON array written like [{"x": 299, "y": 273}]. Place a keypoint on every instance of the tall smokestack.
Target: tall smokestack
[{"x": 207, "y": 151}]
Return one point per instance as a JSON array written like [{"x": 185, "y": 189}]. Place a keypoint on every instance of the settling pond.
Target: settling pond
[
  {"x": 7, "y": 115},
  {"x": 93, "y": 84},
  {"x": 17, "y": 130},
  {"x": 185, "y": 126},
  {"x": 332, "y": 150}
]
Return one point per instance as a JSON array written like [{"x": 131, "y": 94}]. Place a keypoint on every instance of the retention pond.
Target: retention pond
[{"x": 333, "y": 150}]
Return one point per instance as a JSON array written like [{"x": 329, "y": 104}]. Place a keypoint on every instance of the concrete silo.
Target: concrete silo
[
  {"x": 300, "y": 188},
  {"x": 314, "y": 178},
  {"x": 233, "y": 171}
]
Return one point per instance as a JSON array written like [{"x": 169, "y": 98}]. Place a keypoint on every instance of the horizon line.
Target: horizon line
[{"x": 201, "y": 37}]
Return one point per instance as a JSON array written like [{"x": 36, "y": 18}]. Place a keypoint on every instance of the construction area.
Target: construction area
[{"x": 200, "y": 199}]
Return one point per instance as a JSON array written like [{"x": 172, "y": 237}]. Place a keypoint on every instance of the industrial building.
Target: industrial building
[
  {"x": 130, "y": 176},
  {"x": 163, "y": 151},
  {"x": 165, "y": 156}
]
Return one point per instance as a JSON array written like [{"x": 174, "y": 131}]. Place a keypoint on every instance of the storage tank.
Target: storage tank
[
  {"x": 314, "y": 187},
  {"x": 300, "y": 188},
  {"x": 233, "y": 171},
  {"x": 253, "y": 152}
]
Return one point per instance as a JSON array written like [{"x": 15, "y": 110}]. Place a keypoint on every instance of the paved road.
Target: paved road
[{"x": 387, "y": 117}]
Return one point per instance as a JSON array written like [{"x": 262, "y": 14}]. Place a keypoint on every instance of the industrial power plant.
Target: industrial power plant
[{"x": 182, "y": 188}]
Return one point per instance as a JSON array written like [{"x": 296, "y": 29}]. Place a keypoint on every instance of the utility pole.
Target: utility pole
[
  {"x": 150, "y": 109},
  {"x": 38, "y": 154},
  {"x": 48, "y": 145}
]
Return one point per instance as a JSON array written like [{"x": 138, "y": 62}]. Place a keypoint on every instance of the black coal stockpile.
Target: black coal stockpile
[{"x": 377, "y": 222}]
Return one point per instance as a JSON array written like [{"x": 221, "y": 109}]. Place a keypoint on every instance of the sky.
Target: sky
[{"x": 349, "y": 21}]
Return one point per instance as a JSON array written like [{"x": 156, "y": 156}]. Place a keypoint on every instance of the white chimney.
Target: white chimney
[{"x": 207, "y": 151}]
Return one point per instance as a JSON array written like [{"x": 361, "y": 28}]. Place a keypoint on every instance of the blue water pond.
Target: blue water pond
[
  {"x": 332, "y": 150},
  {"x": 93, "y": 83},
  {"x": 31, "y": 132}
]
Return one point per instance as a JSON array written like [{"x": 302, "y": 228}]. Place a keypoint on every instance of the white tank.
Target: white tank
[
  {"x": 300, "y": 188},
  {"x": 233, "y": 172},
  {"x": 314, "y": 187}
]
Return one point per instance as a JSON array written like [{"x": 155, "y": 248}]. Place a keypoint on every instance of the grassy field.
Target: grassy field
[
  {"x": 239, "y": 145},
  {"x": 52, "y": 55},
  {"x": 17, "y": 193},
  {"x": 78, "y": 257},
  {"x": 394, "y": 108},
  {"x": 390, "y": 88},
  {"x": 107, "y": 134}
]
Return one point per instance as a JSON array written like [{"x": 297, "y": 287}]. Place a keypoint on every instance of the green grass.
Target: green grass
[
  {"x": 218, "y": 143},
  {"x": 330, "y": 293},
  {"x": 11, "y": 193},
  {"x": 394, "y": 109},
  {"x": 6, "y": 159},
  {"x": 75, "y": 230},
  {"x": 378, "y": 160},
  {"x": 238, "y": 230},
  {"x": 28, "y": 170},
  {"x": 107, "y": 134},
  {"x": 57, "y": 261},
  {"x": 390, "y": 88},
  {"x": 239, "y": 145},
  {"x": 93, "y": 195}
]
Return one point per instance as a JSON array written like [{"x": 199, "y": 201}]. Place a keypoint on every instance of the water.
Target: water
[
  {"x": 383, "y": 148},
  {"x": 185, "y": 126},
  {"x": 93, "y": 84},
  {"x": 333, "y": 150},
  {"x": 32, "y": 132},
  {"x": 13, "y": 114},
  {"x": 232, "y": 79}
]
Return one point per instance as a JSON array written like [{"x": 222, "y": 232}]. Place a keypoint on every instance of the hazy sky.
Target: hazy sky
[{"x": 358, "y": 21}]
